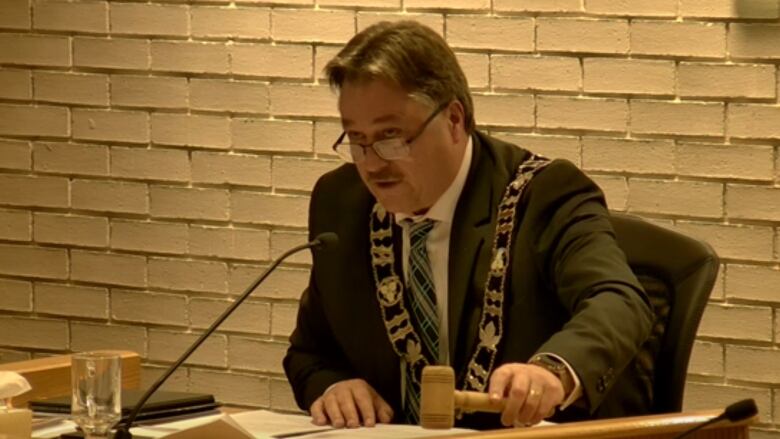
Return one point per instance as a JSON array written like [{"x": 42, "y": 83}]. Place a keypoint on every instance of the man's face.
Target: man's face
[{"x": 378, "y": 109}]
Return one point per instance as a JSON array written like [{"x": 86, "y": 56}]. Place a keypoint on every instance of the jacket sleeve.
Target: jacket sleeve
[{"x": 576, "y": 251}]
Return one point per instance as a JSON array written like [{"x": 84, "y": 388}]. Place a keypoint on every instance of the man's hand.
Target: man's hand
[
  {"x": 347, "y": 402},
  {"x": 531, "y": 393}
]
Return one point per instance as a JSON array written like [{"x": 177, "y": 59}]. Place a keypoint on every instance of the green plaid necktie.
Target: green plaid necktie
[{"x": 422, "y": 303}]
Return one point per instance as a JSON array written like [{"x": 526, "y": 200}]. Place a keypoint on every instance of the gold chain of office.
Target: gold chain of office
[{"x": 390, "y": 288}]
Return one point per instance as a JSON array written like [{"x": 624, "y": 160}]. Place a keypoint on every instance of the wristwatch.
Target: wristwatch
[{"x": 557, "y": 368}]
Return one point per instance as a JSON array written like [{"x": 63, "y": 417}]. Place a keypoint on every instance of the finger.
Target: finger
[
  {"x": 365, "y": 406},
  {"x": 531, "y": 406},
  {"x": 332, "y": 410},
  {"x": 383, "y": 410},
  {"x": 317, "y": 413},
  {"x": 515, "y": 399},
  {"x": 499, "y": 381},
  {"x": 346, "y": 403},
  {"x": 546, "y": 408}
]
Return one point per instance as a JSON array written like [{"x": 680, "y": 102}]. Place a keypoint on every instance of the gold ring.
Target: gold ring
[{"x": 533, "y": 393}]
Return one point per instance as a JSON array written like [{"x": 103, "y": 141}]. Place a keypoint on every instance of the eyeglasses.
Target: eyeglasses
[{"x": 387, "y": 149}]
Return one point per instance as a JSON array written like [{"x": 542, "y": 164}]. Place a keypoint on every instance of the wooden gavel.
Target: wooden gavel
[{"x": 439, "y": 399}]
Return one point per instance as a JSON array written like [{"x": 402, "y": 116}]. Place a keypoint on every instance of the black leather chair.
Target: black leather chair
[{"x": 678, "y": 273}]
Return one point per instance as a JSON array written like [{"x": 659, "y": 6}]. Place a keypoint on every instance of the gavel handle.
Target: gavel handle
[{"x": 477, "y": 402}]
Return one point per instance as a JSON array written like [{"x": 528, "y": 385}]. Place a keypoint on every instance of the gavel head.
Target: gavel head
[{"x": 437, "y": 400}]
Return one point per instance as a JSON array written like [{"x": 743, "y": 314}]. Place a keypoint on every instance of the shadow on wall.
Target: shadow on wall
[{"x": 757, "y": 8}]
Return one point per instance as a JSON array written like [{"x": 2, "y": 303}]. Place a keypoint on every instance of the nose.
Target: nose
[{"x": 371, "y": 161}]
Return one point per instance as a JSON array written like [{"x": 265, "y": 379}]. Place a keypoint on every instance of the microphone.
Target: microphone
[
  {"x": 735, "y": 412},
  {"x": 323, "y": 241}
]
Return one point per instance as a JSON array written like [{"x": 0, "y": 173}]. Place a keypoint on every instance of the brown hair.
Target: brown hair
[{"x": 409, "y": 54}]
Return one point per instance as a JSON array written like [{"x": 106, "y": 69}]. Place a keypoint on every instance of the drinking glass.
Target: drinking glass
[{"x": 96, "y": 385}]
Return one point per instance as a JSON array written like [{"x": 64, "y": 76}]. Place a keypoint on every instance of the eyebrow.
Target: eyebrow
[{"x": 380, "y": 119}]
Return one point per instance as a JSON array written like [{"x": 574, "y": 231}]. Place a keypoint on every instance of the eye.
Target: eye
[
  {"x": 389, "y": 133},
  {"x": 355, "y": 137}
]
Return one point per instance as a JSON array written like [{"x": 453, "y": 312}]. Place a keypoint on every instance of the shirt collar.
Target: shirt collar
[{"x": 444, "y": 208}]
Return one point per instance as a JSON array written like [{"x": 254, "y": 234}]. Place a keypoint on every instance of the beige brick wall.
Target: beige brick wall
[{"x": 156, "y": 155}]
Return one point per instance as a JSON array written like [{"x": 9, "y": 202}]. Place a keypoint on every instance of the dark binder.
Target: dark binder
[{"x": 162, "y": 404}]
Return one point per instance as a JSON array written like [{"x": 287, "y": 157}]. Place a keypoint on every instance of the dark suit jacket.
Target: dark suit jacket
[{"x": 570, "y": 290}]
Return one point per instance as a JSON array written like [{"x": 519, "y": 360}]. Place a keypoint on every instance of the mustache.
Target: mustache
[{"x": 383, "y": 175}]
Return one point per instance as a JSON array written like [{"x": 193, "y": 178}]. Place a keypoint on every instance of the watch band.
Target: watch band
[{"x": 557, "y": 368}]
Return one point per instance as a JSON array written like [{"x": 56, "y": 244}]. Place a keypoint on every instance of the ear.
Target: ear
[{"x": 456, "y": 119}]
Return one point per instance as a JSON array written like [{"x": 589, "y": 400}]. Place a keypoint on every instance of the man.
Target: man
[{"x": 459, "y": 249}]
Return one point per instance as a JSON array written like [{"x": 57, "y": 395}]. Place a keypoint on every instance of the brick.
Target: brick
[
  {"x": 752, "y": 282},
  {"x": 554, "y": 147},
  {"x": 322, "y": 26},
  {"x": 476, "y": 67},
  {"x": 705, "y": 396},
  {"x": 23, "y": 260},
  {"x": 15, "y": 14},
  {"x": 44, "y": 121},
  {"x": 109, "y": 196},
  {"x": 192, "y": 203},
  {"x": 323, "y": 55},
  {"x": 230, "y": 22},
  {"x": 148, "y": 91},
  {"x": 15, "y": 155},
  {"x": 24, "y": 332},
  {"x": 256, "y": 355},
  {"x": 71, "y": 88},
  {"x": 260, "y": 208},
  {"x": 82, "y": 16},
  {"x": 581, "y": 113},
  {"x": 250, "y": 317},
  {"x": 632, "y": 8},
  {"x": 474, "y": 5},
  {"x": 229, "y": 243},
  {"x": 15, "y": 225},
  {"x": 286, "y": 100},
  {"x": 728, "y": 9},
  {"x": 494, "y": 33},
  {"x": 71, "y": 300},
  {"x": 75, "y": 230},
  {"x": 188, "y": 275},
  {"x": 754, "y": 121},
  {"x": 707, "y": 359},
  {"x": 36, "y": 50},
  {"x": 191, "y": 57},
  {"x": 10, "y": 356},
  {"x": 21, "y": 190},
  {"x": 281, "y": 241},
  {"x": 629, "y": 76},
  {"x": 524, "y": 72},
  {"x": 237, "y": 169},
  {"x": 282, "y": 396},
  {"x": 752, "y": 364},
  {"x": 191, "y": 130},
  {"x": 681, "y": 118},
  {"x": 634, "y": 156},
  {"x": 149, "y": 307},
  {"x": 718, "y": 289},
  {"x": 150, "y": 164},
  {"x": 15, "y": 84},
  {"x": 732, "y": 241},
  {"x": 148, "y": 236},
  {"x": 272, "y": 135},
  {"x": 688, "y": 198},
  {"x": 737, "y": 322},
  {"x": 283, "y": 318},
  {"x": 167, "y": 346},
  {"x": 178, "y": 382},
  {"x": 111, "y": 125},
  {"x": 582, "y": 35},
  {"x": 395, "y": 4},
  {"x": 300, "y": 173},
  {"x": 17, "y": 295},
  {"x": 108, "y": 268},
  {"x": 537, "y": 5},
  {"x": 725, "y": 161},
  {"x": 232, "y": 387},
  {"x": 368, "y": 18},
  {"x": 277, "y": 60},
  {"x": 70, "y": 158},
  {"x": 726, "y": 81},
  {"x": 284, "y": 283},
  {"x": 325, "y": 133},
  {"x": 149, "y": 19},
  {"x": 758, "y": 41},
  {"x": 113, "y": 53},
  {"x": 752, "y": 202},
  {"x": 503, "y": 110},
  {"x": 233, "y": 96},
  {"x": 90, "y": 337},
  {"x": 678, "y": 38}
]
